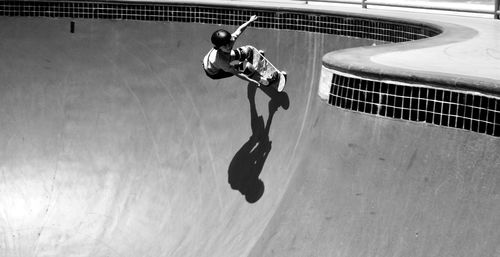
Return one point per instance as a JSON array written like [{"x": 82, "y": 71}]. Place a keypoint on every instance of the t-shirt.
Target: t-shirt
[{"x": 217, "y": 60}]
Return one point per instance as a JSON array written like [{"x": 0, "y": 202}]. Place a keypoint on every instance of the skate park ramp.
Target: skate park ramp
[{"x": 115, "y": 143}]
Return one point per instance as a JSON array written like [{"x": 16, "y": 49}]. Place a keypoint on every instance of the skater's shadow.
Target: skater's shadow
[{"x": 247, "y": 164}]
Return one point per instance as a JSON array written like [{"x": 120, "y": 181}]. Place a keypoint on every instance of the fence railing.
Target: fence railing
[{"x": 495, "y": 10}]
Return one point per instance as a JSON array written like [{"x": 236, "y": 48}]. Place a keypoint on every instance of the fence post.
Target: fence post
[
  {"x": 497, "y": 9},
  {"x": 363, "y": 3}
]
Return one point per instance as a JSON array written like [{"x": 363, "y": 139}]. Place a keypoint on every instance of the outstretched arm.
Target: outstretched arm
[{"x": 243, "y": 26}]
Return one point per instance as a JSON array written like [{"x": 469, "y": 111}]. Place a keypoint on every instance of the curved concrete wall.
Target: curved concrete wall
[{"x": 128, "y": 153}]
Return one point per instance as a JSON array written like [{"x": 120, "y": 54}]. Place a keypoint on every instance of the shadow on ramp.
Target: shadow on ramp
[{"x": 247, "y": 164}]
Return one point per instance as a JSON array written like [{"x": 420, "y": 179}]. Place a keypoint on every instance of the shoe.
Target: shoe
[
  {"x": 250, "y": 57},
  {"x": 264, "y": 82},
  {"x": 274, "y": 77}
]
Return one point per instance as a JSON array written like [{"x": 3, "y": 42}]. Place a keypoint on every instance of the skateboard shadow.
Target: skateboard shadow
[{"x": 247, "y": 164}]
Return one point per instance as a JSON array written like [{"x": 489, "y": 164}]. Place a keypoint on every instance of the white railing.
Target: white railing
[{"x": 494, "y": 10}]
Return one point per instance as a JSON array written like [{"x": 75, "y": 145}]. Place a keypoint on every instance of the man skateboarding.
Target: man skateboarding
[{"x": 223, "y": 62}]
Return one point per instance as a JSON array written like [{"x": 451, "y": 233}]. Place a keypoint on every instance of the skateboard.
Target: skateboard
[{"x": 266, "y": 69}]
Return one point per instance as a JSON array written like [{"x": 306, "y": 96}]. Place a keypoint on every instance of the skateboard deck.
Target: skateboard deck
[{"x": 266, "y": 70}]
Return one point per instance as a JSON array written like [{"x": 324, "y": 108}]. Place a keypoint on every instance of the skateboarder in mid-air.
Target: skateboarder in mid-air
[{"x": 223, "y": 62}]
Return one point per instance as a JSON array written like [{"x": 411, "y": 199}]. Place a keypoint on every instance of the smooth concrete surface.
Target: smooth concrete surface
[
  {"x": 478, "y": 56},
  {"x": 114, "y": 143}
]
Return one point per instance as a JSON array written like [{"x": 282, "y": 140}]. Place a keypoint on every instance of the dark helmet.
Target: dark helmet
[{"x": 221, "y": 37}]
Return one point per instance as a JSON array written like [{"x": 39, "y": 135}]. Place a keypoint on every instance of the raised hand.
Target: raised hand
[{"x": 253, "y": 18}]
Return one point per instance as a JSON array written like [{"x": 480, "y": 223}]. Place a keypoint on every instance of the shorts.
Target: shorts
[{"x": 219, "y": 75}]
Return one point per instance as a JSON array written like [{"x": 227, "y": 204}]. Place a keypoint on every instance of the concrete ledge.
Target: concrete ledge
[{"x": 359, "y": 62}]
